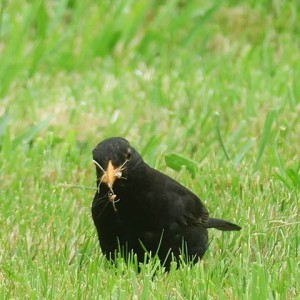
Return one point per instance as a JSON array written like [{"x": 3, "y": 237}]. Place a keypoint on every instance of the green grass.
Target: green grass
[{"x": 207, "y": 91}]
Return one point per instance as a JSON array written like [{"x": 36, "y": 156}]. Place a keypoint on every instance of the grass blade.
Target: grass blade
[
  {"x": 30, "y": 133},
  {"x": 3, "y": 123},
  {"x": 243, "y": 152},
  {"x": 176, "y": 162},
  {"x": 219, "y": 136},
  {"x": 294, "y": 176},
  {"x": 265, "y": 137}
]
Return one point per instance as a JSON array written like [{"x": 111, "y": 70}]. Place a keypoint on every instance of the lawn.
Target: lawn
[{"x": 206, "y": 91}]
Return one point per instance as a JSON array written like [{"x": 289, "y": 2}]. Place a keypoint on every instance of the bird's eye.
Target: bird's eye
[{"x": 128, "y": 154}]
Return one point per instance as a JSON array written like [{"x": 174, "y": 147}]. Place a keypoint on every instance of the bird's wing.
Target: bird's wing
[
  {"x": 176, "y": 201},
  {"x": 195, "y": 212},
  {"x": 187, "y": 208}
]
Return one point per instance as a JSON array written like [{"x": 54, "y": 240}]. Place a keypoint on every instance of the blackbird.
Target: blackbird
[{"x": 139, "y": 210}]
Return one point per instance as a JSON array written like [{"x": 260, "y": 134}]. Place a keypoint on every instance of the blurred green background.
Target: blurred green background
[{"x": 207, "y": 91}]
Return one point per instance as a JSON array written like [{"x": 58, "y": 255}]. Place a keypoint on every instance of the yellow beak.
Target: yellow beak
[{"x": 110, "y": 175}]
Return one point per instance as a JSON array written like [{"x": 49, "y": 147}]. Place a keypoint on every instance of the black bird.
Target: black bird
[{"x": 139, "y": 210}]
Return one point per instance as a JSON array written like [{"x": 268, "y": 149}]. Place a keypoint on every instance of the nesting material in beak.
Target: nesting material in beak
[{"x": 110, "y": 174}]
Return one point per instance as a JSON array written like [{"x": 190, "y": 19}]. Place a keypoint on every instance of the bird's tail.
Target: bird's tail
[{"x": 222, "y": 225}]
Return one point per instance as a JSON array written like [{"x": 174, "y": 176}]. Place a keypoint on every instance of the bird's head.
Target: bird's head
[{"x": 115, "y": 159}]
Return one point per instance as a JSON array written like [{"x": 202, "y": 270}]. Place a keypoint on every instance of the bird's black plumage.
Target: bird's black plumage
[{"x": 139, "y": 209}]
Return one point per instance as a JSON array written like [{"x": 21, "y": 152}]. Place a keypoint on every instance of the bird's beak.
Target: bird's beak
[{"x": 110, "y": 175}]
